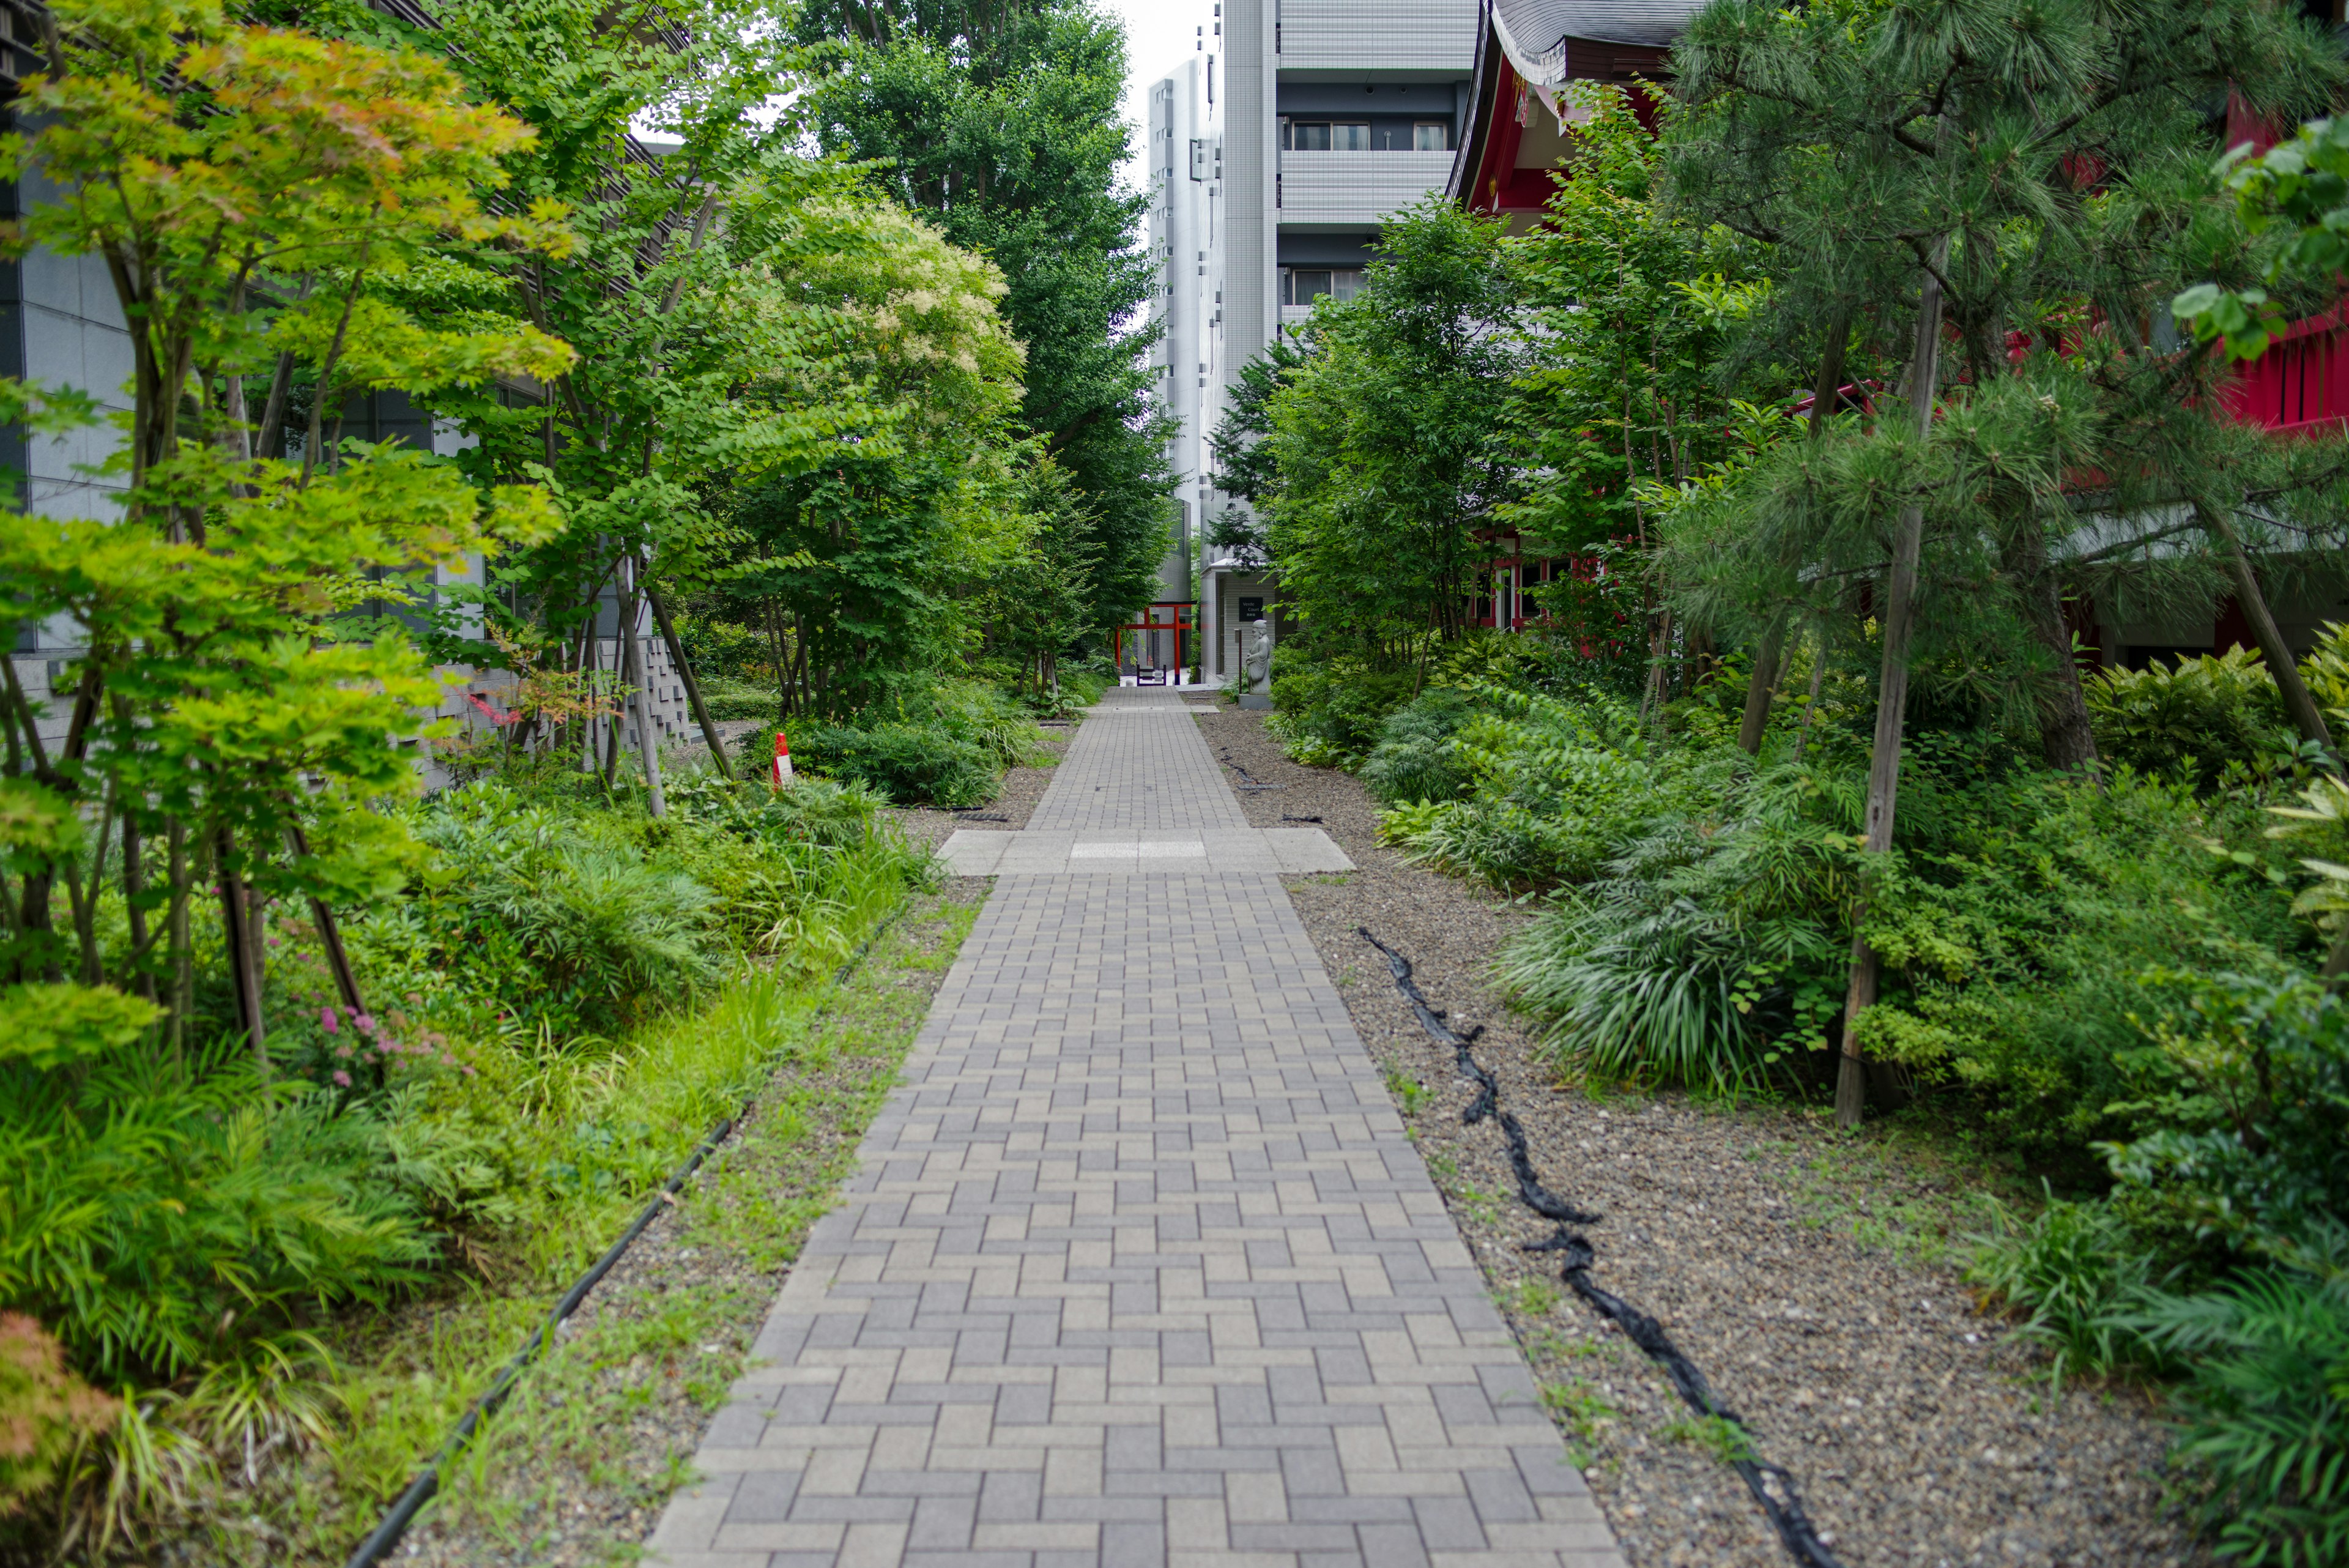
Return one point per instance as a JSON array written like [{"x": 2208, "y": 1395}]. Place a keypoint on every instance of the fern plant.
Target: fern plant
[{"x": 2266, "y": 1414}]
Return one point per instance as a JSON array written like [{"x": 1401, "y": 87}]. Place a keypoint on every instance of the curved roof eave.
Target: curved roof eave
[{"x": 1538, "y": 34}]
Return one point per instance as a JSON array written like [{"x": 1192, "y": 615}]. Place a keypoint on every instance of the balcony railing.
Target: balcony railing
[{"x": 1355, "y": 187}]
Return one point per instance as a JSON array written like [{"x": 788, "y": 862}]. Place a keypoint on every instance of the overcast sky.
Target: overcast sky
[{"x": 1159, "y": 35}]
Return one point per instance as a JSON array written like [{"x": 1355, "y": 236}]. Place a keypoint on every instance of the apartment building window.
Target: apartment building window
[
  {"x": 1431, "y": 136},
  {"x": 1325, "y": 136},
  {"x": 1304, "y": 285}
]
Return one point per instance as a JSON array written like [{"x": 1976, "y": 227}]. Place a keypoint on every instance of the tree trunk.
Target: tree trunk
[
  {"x": 2306, "y": 717},
  {"x": 2064, "y": 737},
  {"x": 330, "y": 934},
  {"x": 685, "y": 674},
  {"x": 1892, "y": 691},
  {"x": 1757, "y": 695},
  {"x": 133, "y": 887},
  {"x": 236, "y": 932}
]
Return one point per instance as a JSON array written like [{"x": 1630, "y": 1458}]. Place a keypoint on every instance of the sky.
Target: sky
[{"x": 1159, "y": 36}]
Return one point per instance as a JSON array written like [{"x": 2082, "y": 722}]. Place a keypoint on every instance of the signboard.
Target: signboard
[{"x": 1251, "y": 609}]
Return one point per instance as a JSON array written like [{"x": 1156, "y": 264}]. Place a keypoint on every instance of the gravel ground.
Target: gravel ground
[
  {"x": 1807, "y": 1274},
  {"x": 577, "y": 1468}
]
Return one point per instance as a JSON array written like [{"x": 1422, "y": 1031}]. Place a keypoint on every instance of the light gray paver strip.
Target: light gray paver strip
[
  {"x": 1140, "y": 1269},
  {"x": 973, "y": 851}
]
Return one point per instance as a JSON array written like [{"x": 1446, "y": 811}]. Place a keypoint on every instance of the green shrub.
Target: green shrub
[
  {"x": 2265, "y": 1432},
  {"x": 157, "y": 1208},
  {"x": 1552, "y": 792},
  {"x": 727, "y": 698},
  {"x": 1328, "y": 714},
  {"x": 579, "y": 924},
  {"x": 2076, "y": 1274},
  {"x": 1414, "y": 759},
  {"x": 1634, "y": 983},
  {"x": 913, "y": 765},
  {"x": 2245, "y": 1102},
  {"x": 2194, "y": 716}
]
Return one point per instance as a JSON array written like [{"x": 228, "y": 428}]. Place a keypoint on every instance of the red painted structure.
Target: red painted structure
[{"x": 2302, "y": 381}]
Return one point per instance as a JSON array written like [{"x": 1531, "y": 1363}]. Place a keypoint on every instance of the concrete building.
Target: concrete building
[
  {"x": 1185, "y": 168},
  {"x": 1338, "y": 112}
]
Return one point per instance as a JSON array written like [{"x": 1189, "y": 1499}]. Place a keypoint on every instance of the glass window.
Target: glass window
[
  {"x": 1320, "y": 136},
  {"x": 1431, "y": 136},
  {"x": 1304, "y": 285}
]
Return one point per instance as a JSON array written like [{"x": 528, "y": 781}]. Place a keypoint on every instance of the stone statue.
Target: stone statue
[{"x": 1255, "y": 664}]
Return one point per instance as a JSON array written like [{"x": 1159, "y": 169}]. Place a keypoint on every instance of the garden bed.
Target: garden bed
[
  {"x": 1810, "y": 1275},
  {"x": 578, "y": 1466}
]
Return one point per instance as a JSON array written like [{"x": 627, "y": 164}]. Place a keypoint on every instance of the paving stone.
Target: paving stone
[{"x": 1138, "y": 1268}]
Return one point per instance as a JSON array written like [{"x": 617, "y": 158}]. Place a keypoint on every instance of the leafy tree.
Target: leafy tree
[
  {"x": 245, "y": 186},
  {"x": 851, "y": 564},
  {"x": 1627, "y": 392},
  {"x": 676, "y": 319},
  {"x": 1388, "y": 443},
  {"x": 1245, "y": 465},
  {"x": 1002, "y": 121}
]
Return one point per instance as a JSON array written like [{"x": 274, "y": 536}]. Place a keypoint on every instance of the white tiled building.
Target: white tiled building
[
  {"x": 1186, "y": 239},
  {"x": 1336, "y": 113}
]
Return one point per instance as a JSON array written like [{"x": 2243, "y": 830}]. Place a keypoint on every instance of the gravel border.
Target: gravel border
[{"x": 1806, "y": 1273}]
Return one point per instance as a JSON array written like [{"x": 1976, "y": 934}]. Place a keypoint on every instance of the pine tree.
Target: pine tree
[{"x": 2001, "y": 196}]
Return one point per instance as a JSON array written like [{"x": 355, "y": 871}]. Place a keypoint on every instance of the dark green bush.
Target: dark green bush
[
  {"x": 157, "y": 1208},
  {"x": 2025, "y": 943},
  {"x": 1413, "y": 760},
  {"x": 913, "y": 765},
  {"x": 2245, "y": 1100},
  {"x": 727, "y": 698},
  {"x": 602, "y": 930},
  {"x": 1328, "y": 714}
]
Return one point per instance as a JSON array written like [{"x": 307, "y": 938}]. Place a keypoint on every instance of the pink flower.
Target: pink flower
[
  {"x": 342, "y": 1079},
  {"x": 366, "y": 1023},
  {"x": 467, "y": 1068},
  {"x": 342, "y": 1052},
  {"x": 326, "y": 1017},
  {"x": 415, "y": 997}
]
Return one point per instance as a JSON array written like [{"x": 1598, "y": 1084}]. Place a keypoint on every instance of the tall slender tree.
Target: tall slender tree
[{"x": 1000, "y": 120}]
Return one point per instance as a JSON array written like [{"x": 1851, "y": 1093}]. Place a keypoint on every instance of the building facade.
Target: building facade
[
  {"x": 1186, "y": 171},
  {"x": 1334, "y": 115}
]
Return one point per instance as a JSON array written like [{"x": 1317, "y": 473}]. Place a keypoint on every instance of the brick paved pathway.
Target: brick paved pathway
[{"x": 1139, "y": 1268}]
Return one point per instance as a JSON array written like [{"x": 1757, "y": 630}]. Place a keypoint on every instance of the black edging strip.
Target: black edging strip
[
  {"x": 426, "y": 1484},
  {"x": 1772, "y": 1487}
]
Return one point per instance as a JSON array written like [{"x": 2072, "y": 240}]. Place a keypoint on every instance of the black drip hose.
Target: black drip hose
[
  {"x": 1772, "y": 1488},
  {"x": 426, "y": 1484}
]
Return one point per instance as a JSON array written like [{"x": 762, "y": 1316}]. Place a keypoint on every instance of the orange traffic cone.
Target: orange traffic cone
[{"x": 782, "y": 761}]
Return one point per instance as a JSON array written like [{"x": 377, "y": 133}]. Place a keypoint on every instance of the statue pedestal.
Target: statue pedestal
[{"x": 1250, "y": 700}]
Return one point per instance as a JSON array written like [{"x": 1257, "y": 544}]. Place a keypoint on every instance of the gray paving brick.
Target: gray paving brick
[{"x": 1130, "y": 1244}]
